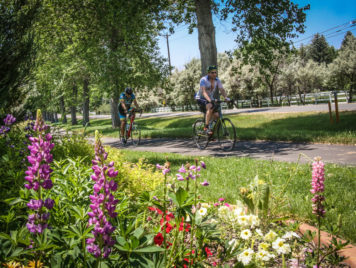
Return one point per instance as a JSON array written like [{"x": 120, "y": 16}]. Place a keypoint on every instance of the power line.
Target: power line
[
  {"x": 353, "y": 22},
  {"x": 341, "y": 33}
]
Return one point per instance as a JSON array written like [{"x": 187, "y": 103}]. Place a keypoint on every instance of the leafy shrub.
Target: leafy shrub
[
  {"x": 72, "y": 146},
  {"x": 135, "y": 178}
]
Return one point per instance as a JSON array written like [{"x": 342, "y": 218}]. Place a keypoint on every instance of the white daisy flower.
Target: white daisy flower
[
  {"x": 290, "y": 235},
  {"x": 202, "y": 211},
  {"x": 246, "y": 234},
  {"x": 243, "y": 220},
  {"x": 280, "y": 246},
  {"x": 264, "y": 255},
  {"x": 259, "y": 232},
  {"x": 246, "y": 256}
]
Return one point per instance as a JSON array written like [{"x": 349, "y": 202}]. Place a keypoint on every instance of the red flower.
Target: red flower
[
  {"x": 152, "y": 208},
  {"x": 168, "y": 228},
  {"x": 159, "y": 211},
  {"x": 158, "y": 239},
  {"x": 208, "y": 252}
]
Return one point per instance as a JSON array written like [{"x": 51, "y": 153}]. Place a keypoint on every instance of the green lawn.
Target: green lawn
[
  {"x": 227, "y": 175},
  {"x": 298, "y": 127}
]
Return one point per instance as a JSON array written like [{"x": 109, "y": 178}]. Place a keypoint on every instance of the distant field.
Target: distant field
[{"x": 298, "y": 127}]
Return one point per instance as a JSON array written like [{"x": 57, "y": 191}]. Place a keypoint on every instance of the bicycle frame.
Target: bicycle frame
[{"x": 132, "y": 119}]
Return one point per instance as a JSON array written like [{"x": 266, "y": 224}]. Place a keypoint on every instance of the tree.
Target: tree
[
  {"x": 320, "y": 51},
  {"x": 342, "y": 71},
  {"x": 17, "y": 51}
]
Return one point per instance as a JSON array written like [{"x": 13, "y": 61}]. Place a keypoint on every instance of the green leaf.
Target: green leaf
[
  {"x": 150, "y": 249},
  {"x": 181, "y": 196}
]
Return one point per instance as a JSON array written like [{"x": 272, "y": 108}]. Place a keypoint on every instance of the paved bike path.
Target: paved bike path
[{"x": 266, "y": 150}]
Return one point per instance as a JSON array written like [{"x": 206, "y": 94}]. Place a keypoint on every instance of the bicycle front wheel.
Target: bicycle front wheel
[
  {"x": 199, "y": 135},
  {"x": 226, "y": 134},
  {"x": 135, "y": 134}
]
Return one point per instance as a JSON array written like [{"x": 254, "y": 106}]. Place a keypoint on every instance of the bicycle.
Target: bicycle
[
  {"x": 132, "y": 129},
  {"x": 222, "y": 127}
]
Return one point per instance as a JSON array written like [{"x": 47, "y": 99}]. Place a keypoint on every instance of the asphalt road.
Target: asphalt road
[
  {"x": 266, "y": 150},
  {"x": 277, "y": 151}
]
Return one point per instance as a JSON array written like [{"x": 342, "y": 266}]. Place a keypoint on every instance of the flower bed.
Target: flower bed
[{"x": 84, "y": 216}]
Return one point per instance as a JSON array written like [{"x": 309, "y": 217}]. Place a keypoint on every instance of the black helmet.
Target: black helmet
[{"x": 128, "y": 91}]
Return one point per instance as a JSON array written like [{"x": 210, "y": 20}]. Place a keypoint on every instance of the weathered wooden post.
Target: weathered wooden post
[{"x": 336, "y": 107}]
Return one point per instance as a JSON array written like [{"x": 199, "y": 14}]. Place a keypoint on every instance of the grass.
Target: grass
[
  {"x": 298, "y": 127},
  {"x": 227, "y": 175}
]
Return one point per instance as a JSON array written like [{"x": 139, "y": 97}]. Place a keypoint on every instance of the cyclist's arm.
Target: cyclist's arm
[
  {"x": 223, "y": 92},
  {"x": 122, "y": 101},
  {"x": 136, "y": 104},
  {"x": 205, "y": 94}
]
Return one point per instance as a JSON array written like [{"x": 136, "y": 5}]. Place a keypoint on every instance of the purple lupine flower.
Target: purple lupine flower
[
  {"x": 205, "y": 183},
  {"x": 318, "y": 178},
  {"x": 158, "y": 166},
  {"x": 9, "y": 120},
  {"x": 38, "y": 174},
  {"x": 182, "y": 169},
  {"x": 202, "y": 163},
  {"x": 103, "y": 203},
  {"x": 180, "y": 177}
]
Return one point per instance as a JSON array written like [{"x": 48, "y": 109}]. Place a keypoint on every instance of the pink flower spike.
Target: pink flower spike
[
  {"x": 221, "y": 199},
  {"x": 226, "y": 205},
  {"x": 158, "y": 166},
  {"x": 182, "y": 169}
]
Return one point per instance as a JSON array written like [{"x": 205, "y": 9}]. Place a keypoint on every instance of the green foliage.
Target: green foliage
[
  {"x": 319, "y": 50},
  {"x": 137, "y": 178},
  {"x": 17, "y": 50},
  {"x": 72, "y": 146}
]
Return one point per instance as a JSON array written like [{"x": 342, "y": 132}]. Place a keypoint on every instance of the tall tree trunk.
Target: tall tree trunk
[
  {"x": 73, "y": 111},
  {"x": 115, "y": 121},
  {"x": 63, "y": 110},
  {"x": 86, "y": 101},
  {"x": 56, "y": 117},
  {"x": 206, "y": 34}
]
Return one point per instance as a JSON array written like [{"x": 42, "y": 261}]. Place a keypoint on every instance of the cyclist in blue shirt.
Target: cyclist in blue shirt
[
  {"x": 210, "y": 86},
  {"x": 126, "y": 99}
]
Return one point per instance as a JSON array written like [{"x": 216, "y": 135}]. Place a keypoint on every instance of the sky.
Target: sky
[{"x": 330, "y": 17}]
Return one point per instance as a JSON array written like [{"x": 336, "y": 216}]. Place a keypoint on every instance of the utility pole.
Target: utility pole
[{"x": 169, "y": 56}]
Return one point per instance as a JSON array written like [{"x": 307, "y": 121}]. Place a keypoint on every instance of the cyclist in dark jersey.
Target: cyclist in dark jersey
[{"x": 126, "y": 99}]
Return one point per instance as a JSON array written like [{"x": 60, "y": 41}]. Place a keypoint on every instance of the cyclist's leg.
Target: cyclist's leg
[{"x": 122, "y": 117}]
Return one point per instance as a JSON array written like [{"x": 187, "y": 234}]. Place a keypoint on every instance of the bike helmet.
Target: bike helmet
[
  {"x": 211, "y": 68},
  {"x": 128, "y": 91}
]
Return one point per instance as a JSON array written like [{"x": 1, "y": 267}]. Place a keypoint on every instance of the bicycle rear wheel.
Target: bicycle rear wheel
[
  {"x": 226, "y": 134},
  {"x": 135, "y": 134},
  {"x": 199, "y": 135}
]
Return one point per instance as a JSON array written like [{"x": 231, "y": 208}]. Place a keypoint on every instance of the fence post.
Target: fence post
[
  {"x": 330, "y": 113},
  {"x": 336, "y": 107}
]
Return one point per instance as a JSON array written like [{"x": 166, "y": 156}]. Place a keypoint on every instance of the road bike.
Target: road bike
[
  {"x": 223, "y": 129},
  {"x": 132, "y": 129}
]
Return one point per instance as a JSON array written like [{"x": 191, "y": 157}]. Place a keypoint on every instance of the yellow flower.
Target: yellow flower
[
  {"x": 12, "y": 264},
  {"x": 32, "y": 264},
  {"x": 263, "y": 246}
]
